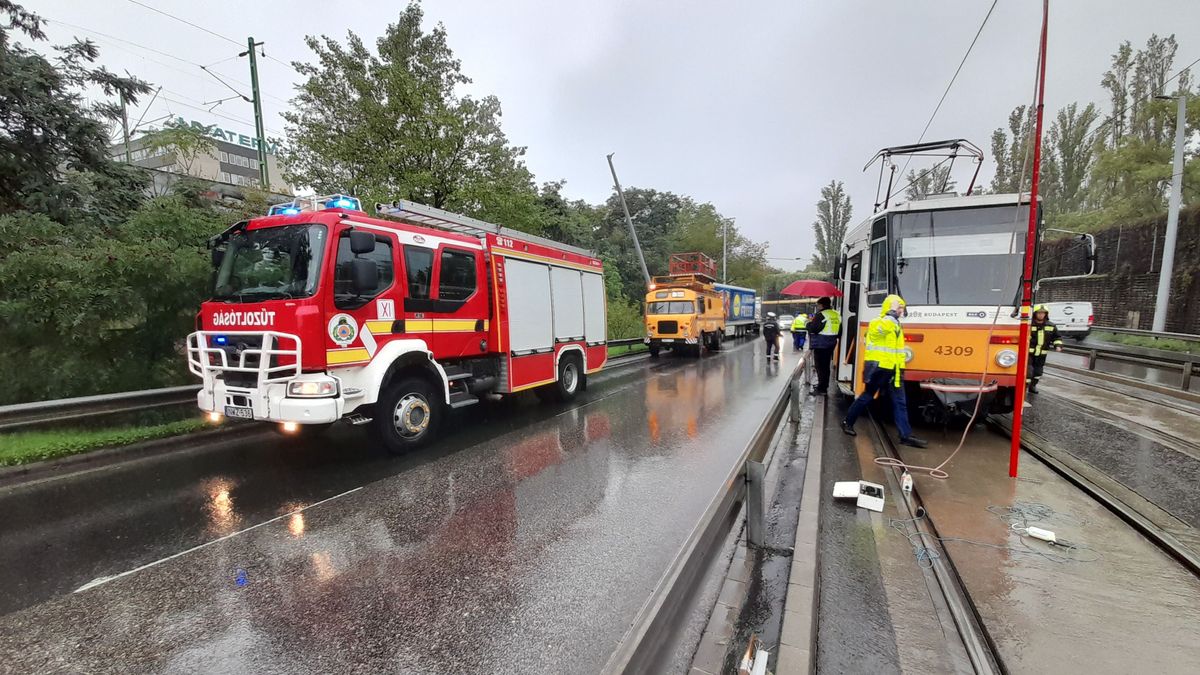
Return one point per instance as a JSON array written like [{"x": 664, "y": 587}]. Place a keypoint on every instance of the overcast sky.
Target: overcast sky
[{"x": 751, "y": 106}]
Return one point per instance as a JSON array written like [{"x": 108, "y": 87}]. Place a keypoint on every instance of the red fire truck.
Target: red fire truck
[{"x": 319, "y": 313}]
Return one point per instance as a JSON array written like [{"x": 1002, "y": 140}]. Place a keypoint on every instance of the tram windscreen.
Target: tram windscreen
[{"x": 959, "y": 257}]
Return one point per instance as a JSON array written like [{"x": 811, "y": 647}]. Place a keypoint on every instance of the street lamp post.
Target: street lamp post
[{"x": 1167, "y": 268}]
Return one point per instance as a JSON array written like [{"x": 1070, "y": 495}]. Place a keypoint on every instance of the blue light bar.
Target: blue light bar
[
  {"x": 343, "y": 202},
  {"x": 285, "y": 209},
  {"x": 220, "y": 339}
]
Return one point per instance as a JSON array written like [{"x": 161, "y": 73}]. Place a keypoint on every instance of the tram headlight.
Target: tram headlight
[
  {"x": 1006, "y": 358},
  {"x": 908, "y": 354}
]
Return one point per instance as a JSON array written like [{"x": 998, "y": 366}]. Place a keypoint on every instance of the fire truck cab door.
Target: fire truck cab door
[
  {"x": 446, "y": 302},
  {"x": 360, "y": 320}
]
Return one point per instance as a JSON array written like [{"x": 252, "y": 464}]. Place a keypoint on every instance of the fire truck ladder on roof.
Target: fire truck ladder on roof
[{"x": 419, "y": 214}]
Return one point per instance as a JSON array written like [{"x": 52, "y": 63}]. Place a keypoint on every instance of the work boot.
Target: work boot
[
  {"x": 913, "y": 441},
  {"x": 848, "y": 429},
  {"x": 1033, "y": 387}
]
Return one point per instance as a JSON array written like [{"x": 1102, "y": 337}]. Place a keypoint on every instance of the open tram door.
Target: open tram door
[{"x": 850, "y": 283}]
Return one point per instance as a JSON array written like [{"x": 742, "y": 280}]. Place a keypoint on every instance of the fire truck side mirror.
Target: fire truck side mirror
[
  {"x": 361, "y": 242},
  {"x": 218, "y": 254},
  {"x": 364, "y": 275}
]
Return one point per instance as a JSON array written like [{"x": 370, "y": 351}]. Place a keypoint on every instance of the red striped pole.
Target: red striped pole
[{"x": 1030, "y": 243}]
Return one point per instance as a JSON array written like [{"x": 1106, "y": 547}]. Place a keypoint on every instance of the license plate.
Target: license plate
[
  {"x": 669, "y": 340},
  {"x": 239, "y": 411}
]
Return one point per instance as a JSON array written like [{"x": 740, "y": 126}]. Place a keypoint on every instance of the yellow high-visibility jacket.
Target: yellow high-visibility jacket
[{"x": 885, "y": 339}]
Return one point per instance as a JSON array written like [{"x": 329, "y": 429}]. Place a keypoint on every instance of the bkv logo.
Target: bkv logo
[{"x": 977, "y": 315}]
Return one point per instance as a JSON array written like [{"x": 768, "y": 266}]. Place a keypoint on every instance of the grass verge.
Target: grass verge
[
  {"x": 23, "y": 447},
  {"x": 1166, "y": 344},
  {"x": 621, "y": 350}
]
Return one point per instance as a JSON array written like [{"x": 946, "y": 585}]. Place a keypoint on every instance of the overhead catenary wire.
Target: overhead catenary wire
[
  {"x": 185, "y": 21},
  {"x": 949, "y": 86},
  {"x": 1022, "y": 350},
  {"x": 206, "y": 30},
  {"x": 207, "y": 69}
]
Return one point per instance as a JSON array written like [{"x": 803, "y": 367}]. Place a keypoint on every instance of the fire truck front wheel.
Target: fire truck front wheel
[{"x": 407, "y": 415}]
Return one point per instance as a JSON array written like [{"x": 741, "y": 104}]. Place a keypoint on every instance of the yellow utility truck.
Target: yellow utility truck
[{"x": 684, "y": 310}]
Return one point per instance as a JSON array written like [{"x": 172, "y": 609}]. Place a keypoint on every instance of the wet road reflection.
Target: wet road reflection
[
  {"x": 524, "y": 549},
  {"x": 1116, "y": 605}
]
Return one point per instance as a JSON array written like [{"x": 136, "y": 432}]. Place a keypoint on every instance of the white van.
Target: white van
[{"x": 1074, "y": 319}]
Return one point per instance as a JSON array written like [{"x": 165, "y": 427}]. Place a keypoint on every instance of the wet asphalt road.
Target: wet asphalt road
[{"x": 524, "y": 542}]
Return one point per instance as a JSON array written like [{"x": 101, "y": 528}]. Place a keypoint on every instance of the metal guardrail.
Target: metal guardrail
[
  {"x": 1187, "y": 337},
  {"x": 1184, "y": 363},
  {"x": 646, "y": 646},
  {"x": 41, "y": 412}
]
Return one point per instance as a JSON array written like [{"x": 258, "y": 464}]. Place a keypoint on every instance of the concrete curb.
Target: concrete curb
[
  {"x": 85, "y": 461},
  {"x": 797, "y": 642}
]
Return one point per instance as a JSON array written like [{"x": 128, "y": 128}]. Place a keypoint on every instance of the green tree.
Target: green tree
[
  {"x": 833, "y": 216},
  {"x": 655, "y": 215},
  {"x": 53, "y": 144},
  {"x": 1013, "y": 152},
  {"x": 389, "y": 124},
  {"x": 1116, "y": 81},
  {"x": 569, "y": 221},
  {"x": 1132, "y": 169},
  {"x": 934, "y": 180},
  {"x": 1070, "y": 152},
  {"x": 184, "y": 142},
  {"x": 88, "y": 311}
]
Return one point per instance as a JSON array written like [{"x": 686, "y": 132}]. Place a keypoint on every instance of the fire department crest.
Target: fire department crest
[{"x": 343, "y": 329}]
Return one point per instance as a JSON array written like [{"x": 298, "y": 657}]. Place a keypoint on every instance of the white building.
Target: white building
[{"x": 234, "y": 161}]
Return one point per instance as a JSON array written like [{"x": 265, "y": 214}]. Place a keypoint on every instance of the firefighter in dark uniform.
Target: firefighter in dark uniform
[
  {"x": 770, "y": 333},
  {"x": 1043, "y": 335}
]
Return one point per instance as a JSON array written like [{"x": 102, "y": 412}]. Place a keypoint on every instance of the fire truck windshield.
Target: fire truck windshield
[{"x": 270, "y": 264}]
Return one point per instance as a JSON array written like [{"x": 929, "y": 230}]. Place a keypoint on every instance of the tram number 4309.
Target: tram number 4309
[{"x": 947, "y": 350}]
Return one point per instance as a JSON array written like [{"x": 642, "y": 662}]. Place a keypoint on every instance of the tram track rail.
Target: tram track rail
[
  {"x": 1131, "y": 390},
  {"x": 1167, "y": 440},
  {"x": 977, "y": 642},
  {"x": 1122, "y": 501}
]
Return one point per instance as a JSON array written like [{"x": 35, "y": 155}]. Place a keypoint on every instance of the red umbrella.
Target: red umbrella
[{"x": 811, "y": 288}]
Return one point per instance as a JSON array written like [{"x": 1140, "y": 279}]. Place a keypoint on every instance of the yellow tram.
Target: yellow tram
[{"x": 957, "y": 261}]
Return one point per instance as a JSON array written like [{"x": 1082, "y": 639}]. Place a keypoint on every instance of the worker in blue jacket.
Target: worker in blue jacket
[{"x": 823, "y": 328}]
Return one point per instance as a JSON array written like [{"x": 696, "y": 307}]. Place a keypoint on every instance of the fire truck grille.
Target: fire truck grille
[
  {"x": 238, "y": 379},
  {"x": 665, "y": 327}
]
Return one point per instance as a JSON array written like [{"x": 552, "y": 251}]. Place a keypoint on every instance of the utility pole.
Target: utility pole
[
  {"x": 263, "y": 174},
  {"x": 1167, "y": 268},
  {"x": 628, "y": 220},
  {"x": 125, "y": 128}
]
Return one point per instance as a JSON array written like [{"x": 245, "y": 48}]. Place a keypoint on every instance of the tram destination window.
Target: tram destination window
[{"x": 959, "y": 257}]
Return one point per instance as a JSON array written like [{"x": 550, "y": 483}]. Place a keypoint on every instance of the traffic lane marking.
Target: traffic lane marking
[{"x": 100, "y": 581}]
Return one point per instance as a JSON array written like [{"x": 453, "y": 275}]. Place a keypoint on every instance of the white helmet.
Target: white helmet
[{"x": 770, "y": 315}]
